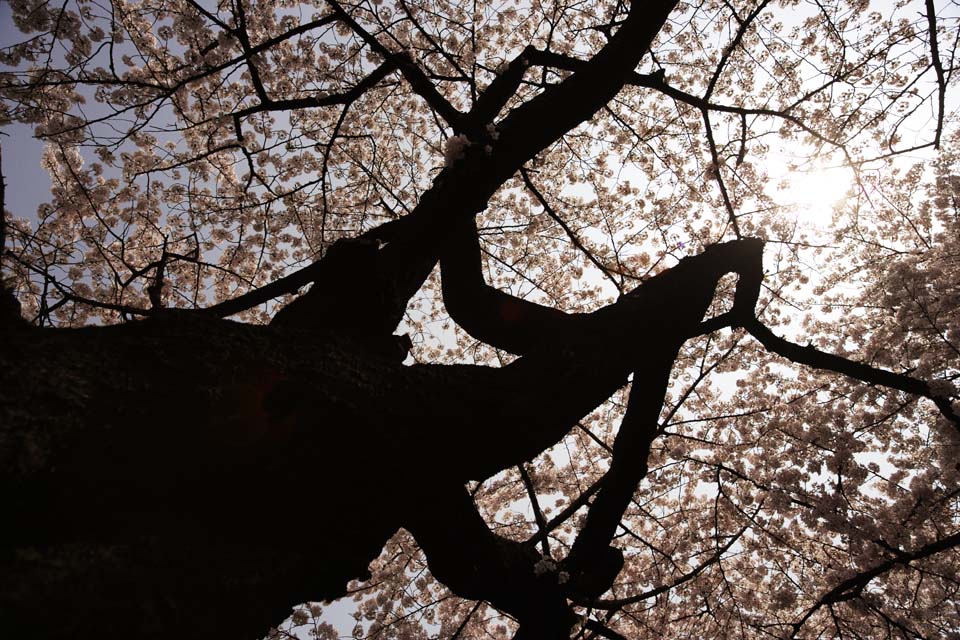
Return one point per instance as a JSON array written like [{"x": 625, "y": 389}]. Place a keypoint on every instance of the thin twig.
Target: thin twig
[
  {"x": 537, "y": 512},
  {"x": 570, "y": 234}
]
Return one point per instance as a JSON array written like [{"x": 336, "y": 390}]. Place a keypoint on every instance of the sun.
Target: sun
[{"x": 812, "y": 193}]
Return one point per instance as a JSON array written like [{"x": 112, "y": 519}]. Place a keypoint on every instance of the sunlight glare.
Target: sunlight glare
[{"x": 813, "y": 193}]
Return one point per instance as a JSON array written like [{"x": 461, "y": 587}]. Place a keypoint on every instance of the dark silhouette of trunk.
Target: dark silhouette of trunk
[{"x": 191, "y": 475}]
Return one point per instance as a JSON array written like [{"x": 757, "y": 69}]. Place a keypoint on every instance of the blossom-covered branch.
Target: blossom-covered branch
[{"x": 818, "y": 359}]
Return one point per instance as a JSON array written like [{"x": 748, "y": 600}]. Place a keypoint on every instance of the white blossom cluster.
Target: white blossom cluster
[
  {"x": 547, "y": 565},
  {"x": 455, "y": 149}
]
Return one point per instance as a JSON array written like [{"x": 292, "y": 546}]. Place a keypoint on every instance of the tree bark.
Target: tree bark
[{"x": 190, "y": 476}]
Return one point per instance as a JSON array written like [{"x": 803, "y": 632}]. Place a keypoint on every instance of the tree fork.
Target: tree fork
[{"x": 140, "y": 440}]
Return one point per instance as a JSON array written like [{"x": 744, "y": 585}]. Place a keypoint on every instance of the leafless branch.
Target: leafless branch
[{"x": 938, "y": 67}]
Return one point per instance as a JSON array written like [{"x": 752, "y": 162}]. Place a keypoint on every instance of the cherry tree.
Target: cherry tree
[{"x": 526, "y": 336}]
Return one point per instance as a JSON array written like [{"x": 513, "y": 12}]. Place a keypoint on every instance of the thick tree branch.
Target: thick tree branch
[
  {"x": 464, "y": 189},
  {"x": 476, "y": 564},
  {"x": 352, "y": 298},
  {"x": 489, "y": 315},
  {"x": 305, "y": 275},
  {"x": 418, "y": 81},
  {"x": 499, "y": 92},
  {"x": 282, "y": 286},
  {"x": 813, "y": 357},
  {"x": 594, "y": 565},
  {"x": 593, "y": 356},
  {"x": 640, "y": 427},
  {"x": 561, "y": 107},
  {"x": 938, "y": 67}
]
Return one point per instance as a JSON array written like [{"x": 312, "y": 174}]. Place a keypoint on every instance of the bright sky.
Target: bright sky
[{"x": 811, "y": 192}]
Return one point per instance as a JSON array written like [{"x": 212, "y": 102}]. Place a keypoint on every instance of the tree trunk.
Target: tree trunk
[
  {"x": 197, "y": 477},
  {"x": 162, "y": 483},
  {"x": 189, "y": 476}
]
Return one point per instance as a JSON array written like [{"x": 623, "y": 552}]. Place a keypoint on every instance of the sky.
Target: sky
[{"x": 27, "y": 182}]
